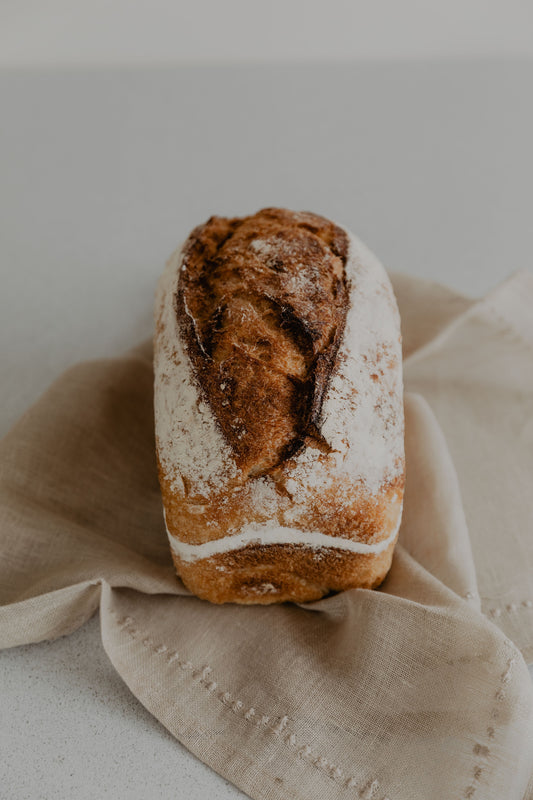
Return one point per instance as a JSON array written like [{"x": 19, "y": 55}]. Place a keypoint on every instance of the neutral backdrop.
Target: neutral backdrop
[
  {"x": 99, "y": 32},
  {"x": 104, "y": 170}
]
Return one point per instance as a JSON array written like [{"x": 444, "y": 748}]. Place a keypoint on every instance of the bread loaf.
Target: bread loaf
[{"x": 278, "y": 409}]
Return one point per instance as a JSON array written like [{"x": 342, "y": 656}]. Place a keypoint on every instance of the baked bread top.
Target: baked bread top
[
  {"x": 278, "y": 375},
  {"x": 262, "y": 305}
]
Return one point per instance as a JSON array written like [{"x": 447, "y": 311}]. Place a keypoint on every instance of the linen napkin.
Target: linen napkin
[{"x": 418, "y": 690}]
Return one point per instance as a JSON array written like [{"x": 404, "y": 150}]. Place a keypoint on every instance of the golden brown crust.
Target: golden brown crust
[
  {"x": 278, "y": 573},
  {"x": 262, "y": 304},
  {"x": 364, "y": 518},
  {"x": 250, "y": 343}
]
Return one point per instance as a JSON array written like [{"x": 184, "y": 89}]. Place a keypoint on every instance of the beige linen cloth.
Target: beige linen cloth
[{"x": 418, "y": 691}]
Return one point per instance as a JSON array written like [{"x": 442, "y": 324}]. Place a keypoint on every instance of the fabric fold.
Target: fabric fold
[
  {"x": 476, "y": 375},
  {"x": 434, "y": 528}
]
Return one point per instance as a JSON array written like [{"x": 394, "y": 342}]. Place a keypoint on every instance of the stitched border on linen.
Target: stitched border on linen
[{"x": 279, "y": 726}]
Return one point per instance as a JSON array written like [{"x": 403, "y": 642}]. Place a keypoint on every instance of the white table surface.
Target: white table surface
[{"x": 103, "y": 172}]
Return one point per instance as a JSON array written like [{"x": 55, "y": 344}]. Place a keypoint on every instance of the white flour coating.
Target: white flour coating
[
  {"x": 362, "y": 412},
  {"x": 261, "y": 247},
  {"x": 268, "y": 535},
  {"x": 189, "y": 442},
  {"x": 272, "y": 249}
]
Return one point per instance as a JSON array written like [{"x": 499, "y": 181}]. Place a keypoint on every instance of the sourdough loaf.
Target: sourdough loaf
[{"x": 278, "y": 409}]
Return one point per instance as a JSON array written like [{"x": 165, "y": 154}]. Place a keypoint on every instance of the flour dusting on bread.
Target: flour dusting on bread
[{"x": 278, "y": 406}]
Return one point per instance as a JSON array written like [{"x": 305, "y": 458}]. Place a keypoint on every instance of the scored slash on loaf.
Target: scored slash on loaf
[{"x": 278, "y": 409}]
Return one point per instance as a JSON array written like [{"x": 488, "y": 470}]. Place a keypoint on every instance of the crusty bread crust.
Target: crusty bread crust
[
  {"x": 278, "y": 573},
  {"x": 280, "y": 420},
  {"x": 264, "y": 325}
]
